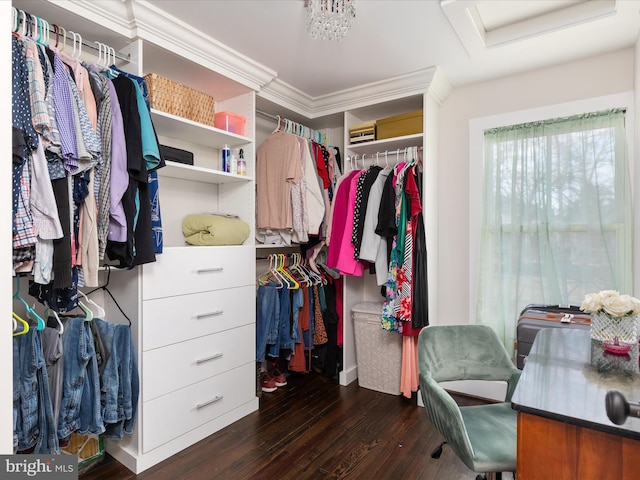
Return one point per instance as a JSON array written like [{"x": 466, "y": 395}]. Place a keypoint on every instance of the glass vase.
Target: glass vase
[{"x": 606, "y": 327}]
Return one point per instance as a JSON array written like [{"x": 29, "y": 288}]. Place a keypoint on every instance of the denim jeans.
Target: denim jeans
[
  {"x": 79, "y": 351},
  {"x": 267, "y": 318},
  {"x": 35, "y": 427},
  {"x": 283, "y": 339},
  {"x": 307, "y": 335},
  {"x": 120, "y": 380},
  {"x": 17, "y": 414},
  {"x": 298, "y": 302}
]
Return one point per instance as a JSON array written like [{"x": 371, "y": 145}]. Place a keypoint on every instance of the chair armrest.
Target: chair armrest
[
  {"x": 445, "y": 415},
  {"x": 512, "y": 383}
]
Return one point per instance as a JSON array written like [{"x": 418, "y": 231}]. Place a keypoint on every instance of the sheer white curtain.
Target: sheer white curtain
[{"x": 557, "y": 215}]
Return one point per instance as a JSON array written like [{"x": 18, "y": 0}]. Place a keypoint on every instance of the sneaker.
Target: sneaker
[
  {"x": 279, "y": 378},
  {"x": 268, "y": 383}
]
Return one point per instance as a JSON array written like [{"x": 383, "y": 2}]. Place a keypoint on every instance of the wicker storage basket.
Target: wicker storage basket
[{"x": 181, "y": 100}]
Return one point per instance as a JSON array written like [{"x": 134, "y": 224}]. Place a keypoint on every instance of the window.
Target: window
[{"x": 556, "y": 220}]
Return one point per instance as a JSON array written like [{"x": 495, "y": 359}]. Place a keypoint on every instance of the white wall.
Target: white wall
[
  {"x": 588, "y": 78},
  {"x": 636, "y": 285},
  {"x": 6, "y": 349}
]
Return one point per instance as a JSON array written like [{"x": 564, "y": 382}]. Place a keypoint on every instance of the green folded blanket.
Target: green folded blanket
[{"x": 210, "y": 229}]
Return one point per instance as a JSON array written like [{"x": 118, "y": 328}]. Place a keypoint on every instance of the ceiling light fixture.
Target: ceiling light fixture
[{"x": 329, "y": 19}]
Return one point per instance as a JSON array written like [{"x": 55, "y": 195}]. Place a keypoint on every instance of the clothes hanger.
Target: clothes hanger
[
  {"x": 22, "y": 28},
  {"x": 87, "y": 311},
  {"x": 294, "y": 284},
  {"x": 64, "y": 39},
  {"x": 284, "y": 272},
  {"x": 46, "y": 37},
  {"x": 269, "y": 274},
  {"x": 30, "y": 311},
  {"x": 100, "y": 62},
  {"x": 50, "y": 312},
  {"x": 79, "y": 47},
  {"x": 15, "y": 17},
  {"x": 310, "y": 275},
  {"x": 25, "y": 324},
  {"x": 101, "y": 312},
  {"x": 298, "y": 271},
  {"x": 111, "y": 61}
]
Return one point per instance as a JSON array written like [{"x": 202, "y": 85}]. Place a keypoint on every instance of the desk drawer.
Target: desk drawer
[
  {"x": 170, "y": 368},
  {"x": 172, "y": 415},
  {"x": 176, "y": 319},
  {"x": 180, "y": 271}
]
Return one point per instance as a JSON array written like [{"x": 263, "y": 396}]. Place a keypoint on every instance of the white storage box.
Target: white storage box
[{"x": 378, "y": 352}]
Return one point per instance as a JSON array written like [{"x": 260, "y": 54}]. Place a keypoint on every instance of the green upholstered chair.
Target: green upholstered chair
[{"x": 482, "y": 436}]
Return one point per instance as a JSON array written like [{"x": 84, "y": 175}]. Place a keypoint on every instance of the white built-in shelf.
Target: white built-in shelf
[
  {"x": 189, "y": 131},
  {"x": 199, "y": 174},
  {"x": 388, "y": 144}
]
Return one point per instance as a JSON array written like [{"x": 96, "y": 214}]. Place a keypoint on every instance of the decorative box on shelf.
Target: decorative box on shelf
[
  {"x": 399, "y": 125},
  {"x": 180, "y": 100}
]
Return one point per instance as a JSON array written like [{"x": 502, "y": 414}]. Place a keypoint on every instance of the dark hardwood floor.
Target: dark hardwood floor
[{"x": 313, "y": 428}]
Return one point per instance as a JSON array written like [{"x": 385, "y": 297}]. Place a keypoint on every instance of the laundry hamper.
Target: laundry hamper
[{"x": 378, "y": 352}]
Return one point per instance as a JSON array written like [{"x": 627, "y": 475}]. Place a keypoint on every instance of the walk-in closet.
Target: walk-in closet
[{"x": 231, "y": 229}]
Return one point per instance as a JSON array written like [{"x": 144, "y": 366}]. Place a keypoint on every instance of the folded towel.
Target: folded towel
[{"x": 212, "y": 229}]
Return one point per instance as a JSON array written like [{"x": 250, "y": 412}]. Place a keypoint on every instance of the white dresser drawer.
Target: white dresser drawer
[
  {"x": 172, "y": 415},
  {"x": 170, "y": 368},
  {"x": 183, "y": 270},
  {"x": 176, "y": 319}
]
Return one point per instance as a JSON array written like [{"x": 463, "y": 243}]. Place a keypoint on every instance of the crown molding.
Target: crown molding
[
  {"x": 141, "y": 19},
  {"x": 289, "y": 97},
  {"x": 430, "y": 81},
  {"x": 112, "y": 15},
  {"x": 155, "y": 25}
]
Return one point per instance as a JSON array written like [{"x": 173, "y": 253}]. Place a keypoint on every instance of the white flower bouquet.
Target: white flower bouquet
[
  {"x": 611, "y": 303},
  {"x": 613, "y": 316}
]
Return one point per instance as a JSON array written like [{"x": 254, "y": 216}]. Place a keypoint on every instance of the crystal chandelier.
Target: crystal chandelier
[{"x": 329, "y": 19}]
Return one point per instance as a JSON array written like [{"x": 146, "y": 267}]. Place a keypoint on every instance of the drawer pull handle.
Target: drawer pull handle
[
  {"x": 209, "y": 270},
  {"x": 209, "y": 402},
  {"x": 210, "y": 314},
  {"x": 212, "y": 357}
]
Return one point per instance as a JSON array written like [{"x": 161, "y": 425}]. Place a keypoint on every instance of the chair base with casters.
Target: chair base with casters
[{"x": 483, "y": 437}]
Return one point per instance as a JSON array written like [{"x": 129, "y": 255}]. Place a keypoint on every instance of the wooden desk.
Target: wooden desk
[{"x": 563, "y": 429}]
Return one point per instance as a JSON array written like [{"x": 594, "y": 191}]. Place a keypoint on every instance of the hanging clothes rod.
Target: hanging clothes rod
[
  {"x": 294, "y": 128},
  {"x": 394, "y": 151},
  {"x": 267, "y": 115},
  {"x": 21, "y": 16}
]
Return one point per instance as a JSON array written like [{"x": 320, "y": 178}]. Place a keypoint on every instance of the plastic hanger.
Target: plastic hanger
[
  {"x": 25, "y": 324},
  {"x": 64, "y": 39},
  {"x": 293, "y": 283},
  {"x": 30, "y": 311},
  {"x": 50, "y": 312},
  {"x": 101, "y": 312},
  {"x": 22, "y": 28},
  {"x": 77, "y": 45},
  {"x": 271, "y": 273},
  {"x": 15, "y": 16},
  {"x": 100, "y": 61},
  {"x": 46, "y": 37},
  {"x": 297, "y": 271}
]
